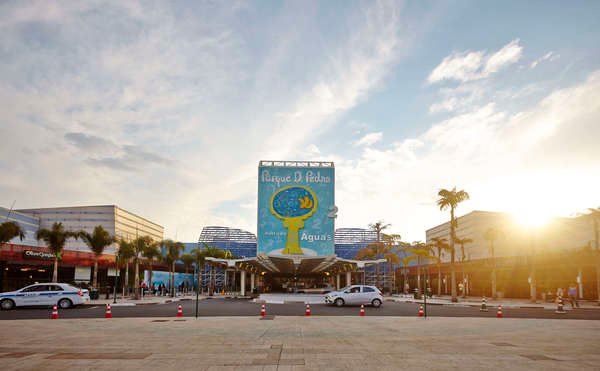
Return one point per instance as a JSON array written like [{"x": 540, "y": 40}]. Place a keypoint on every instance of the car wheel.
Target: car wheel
[
  {"x": 339, "y": 302},
  {"x": 7, "y": 304},
  {"x": 65, "y": 303},
  {"x": 376, "y": 303}
]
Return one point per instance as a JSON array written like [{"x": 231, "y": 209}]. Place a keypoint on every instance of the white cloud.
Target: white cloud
[
  {"x": 369, "y": 139},
  {"x": 468, "y": 66},
  {"x": 550, "y": 56},
  {"x": 183, "y": 99},
  {"x": 505, "y": 160},
  {"x": 509, "y": 54}
]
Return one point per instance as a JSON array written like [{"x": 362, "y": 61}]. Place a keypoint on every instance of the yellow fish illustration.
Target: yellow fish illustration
[{"x": 305, "y": 203}]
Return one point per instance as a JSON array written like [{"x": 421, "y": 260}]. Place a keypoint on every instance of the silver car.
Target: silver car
[{"x": 355, "y": 295}]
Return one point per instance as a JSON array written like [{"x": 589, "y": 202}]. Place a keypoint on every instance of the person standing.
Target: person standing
[
  {"x": 573, "y": 295},
  {"x": 559, "y": 294}
]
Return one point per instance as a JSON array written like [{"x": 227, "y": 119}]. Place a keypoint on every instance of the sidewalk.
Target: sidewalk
[
  {"x": 476, "y": 301},
  {"x": 147, "y": 300},
  {"x": 300, "y": 343}
]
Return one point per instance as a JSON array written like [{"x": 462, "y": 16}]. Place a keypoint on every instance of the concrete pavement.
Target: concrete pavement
[{"x": 300, "y": 343}]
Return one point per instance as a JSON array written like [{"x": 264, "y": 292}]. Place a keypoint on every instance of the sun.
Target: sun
[{"x": 531, "y": 217}]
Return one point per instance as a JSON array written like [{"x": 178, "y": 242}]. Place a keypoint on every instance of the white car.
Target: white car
[
  {"x": 61, "y": 294},
  {"x": 355, "y": 295}
]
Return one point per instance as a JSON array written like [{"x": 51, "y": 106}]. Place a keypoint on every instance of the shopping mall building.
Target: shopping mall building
[
  {"x": 297, "y": 248},
  {"x": 26, "y": 261}
]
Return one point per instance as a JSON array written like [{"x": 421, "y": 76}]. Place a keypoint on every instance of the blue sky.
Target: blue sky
[{"x": 165, "y": 108}]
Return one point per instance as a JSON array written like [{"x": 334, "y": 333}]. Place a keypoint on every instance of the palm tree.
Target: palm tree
[
  {"x": 394, "y": 249},
  {"x": 423, "y": 253},
  {"x": 491, "y": 235},
  {"x": 139, "y": 245},
  {"x": 97, "y": 241},
  {"x": 187, "y": 260},
  {"x": 10, "y": 230},
  {"x": 151, "y": 252},
  {"x": 450, "y": 200},
  {"x": 55, "y": 238},
  {"x": 440, "y": 245},
  {"x": 378, "y": 227},
  {"x": 124, "y": 255},
  {"x": 462, "y": 242},
  {"x": 173, "y": 251}
]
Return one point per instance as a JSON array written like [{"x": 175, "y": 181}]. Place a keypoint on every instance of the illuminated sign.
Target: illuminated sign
[
  {"x": 37, "y": 255},
  {"x": 296, "y": 209}
]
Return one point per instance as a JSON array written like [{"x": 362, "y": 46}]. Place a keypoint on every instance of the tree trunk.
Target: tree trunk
[
  {"x": 453, "y": 277},
  {"x": 405, "y": 281},
  {"x": 532, "y": 283},
  {"x": 439, "y": 280},
  {"x": 126, "y": 287},
  {"x": 419, "y": 276},
  {"x": 95, "y": 284},
  {"x": 598, "y": 278},
  {"x": 55, "y": 270},
  {"x": 199, "y": 283},
  {"x": 494, "y": 282},
  {"x": 136, "y": 280},
  {"x": 452, "y": 268}
]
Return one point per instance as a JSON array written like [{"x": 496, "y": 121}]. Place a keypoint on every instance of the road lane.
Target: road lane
[{"x": 233, "y": 307}]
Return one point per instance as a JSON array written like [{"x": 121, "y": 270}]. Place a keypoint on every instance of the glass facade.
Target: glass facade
[{"x": 28, "y": 222}]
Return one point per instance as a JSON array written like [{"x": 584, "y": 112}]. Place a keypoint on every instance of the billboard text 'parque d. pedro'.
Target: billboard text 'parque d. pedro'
[{"x": 296, "y": 210}]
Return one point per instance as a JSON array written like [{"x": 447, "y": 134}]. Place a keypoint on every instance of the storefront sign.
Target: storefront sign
[
  {"x": 37, "y": 255},
  {"x": 82, "y": 274}
]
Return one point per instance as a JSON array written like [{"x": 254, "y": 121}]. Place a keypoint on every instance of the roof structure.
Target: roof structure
[
  {"x": 216, "y": 233},
  {"x": 348, "y": 236}
]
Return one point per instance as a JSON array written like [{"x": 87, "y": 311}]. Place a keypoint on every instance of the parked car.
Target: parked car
[
  {"x": 355, "y": 295},
  {"x": 61, "y": 294}
]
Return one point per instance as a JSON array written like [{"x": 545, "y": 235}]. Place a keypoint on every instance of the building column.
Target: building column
[
  {"x": 252, "y": 283},
  {"x": 348, "y": 278},
  {"x": 580, "y": 283},
  {"x": 337, "y": 282},
  {"x": 243, "y": 283}
]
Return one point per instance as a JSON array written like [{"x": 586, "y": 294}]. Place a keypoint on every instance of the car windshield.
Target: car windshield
[{"x": 344, "y": 288}]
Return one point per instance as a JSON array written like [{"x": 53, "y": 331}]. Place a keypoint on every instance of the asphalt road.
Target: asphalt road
[{"x": 232, "y": 307}]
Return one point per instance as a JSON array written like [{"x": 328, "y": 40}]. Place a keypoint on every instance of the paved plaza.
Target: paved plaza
[{"x": 300, "y": 343}]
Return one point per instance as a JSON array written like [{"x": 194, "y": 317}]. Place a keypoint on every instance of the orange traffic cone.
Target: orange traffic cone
[
  {"x": 263, "y": 312},
  {"x": 421, "y": 312},
  {"x": 362, "y": 310},
  {"x": 108, "y": 312},
  {"x": 307, "y": 313},
  {"x": 499, "y": 314},
  {"x": 54, "y": 312},
  {"x": 179, "y": 311}
]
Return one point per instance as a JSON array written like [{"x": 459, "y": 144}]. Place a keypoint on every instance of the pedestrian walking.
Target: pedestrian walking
[
  {"x": 573, "y": 295},
  {"x": 559, "y": 294}
]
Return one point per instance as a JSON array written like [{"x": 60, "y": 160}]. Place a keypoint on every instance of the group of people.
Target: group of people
[
  {"x": 162, "y": 289},
  {"x": 572, "y": 295}
]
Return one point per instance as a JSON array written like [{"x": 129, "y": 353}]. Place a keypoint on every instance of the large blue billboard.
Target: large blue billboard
[{"x": 296, "y": 209}]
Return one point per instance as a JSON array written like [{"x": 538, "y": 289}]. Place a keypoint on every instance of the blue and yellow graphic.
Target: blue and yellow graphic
[{"x": 295, "y": 210}]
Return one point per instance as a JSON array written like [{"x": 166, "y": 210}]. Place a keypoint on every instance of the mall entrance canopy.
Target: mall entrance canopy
[{"x": 295, "y": 265}]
